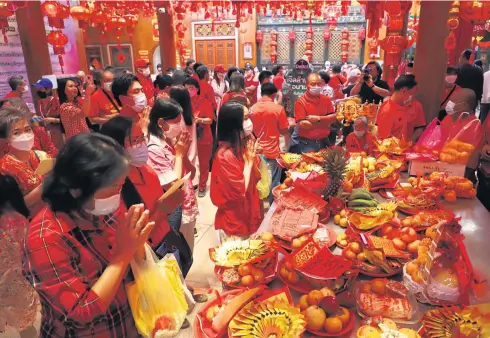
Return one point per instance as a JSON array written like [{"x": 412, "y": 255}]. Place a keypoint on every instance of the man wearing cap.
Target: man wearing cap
[
  {"x": 251, "y": 84},
  {"x": 352, "y": 80},
  {"x": 206, "y": 91},
  {"x": 48, "y": 107},
  {"x": 18, "y": 86},
  {"x": 144, "y": 77},
  {"x": 103, "y": 105}
]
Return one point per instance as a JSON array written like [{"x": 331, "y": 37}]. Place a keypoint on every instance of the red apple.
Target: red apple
[{"x": 330, "y": 305}]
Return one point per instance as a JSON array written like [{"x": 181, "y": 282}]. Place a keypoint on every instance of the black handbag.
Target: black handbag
[{"x": 173, "y": 242}]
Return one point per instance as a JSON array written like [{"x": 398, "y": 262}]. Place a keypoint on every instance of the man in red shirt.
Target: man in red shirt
[
  {"x": 360, "y": 140},
  {"x": 251, "y": 84},
  {"x": 270, "y": 121},
  {"x": 278, "y": 80},
  {"x": 206, "y": 89},
  {"x": 18, "y": 86},
  {"x": 103, "y": 104},
  {"x": 337, "y": 81},
  {"x": 401, "y": 116},
  {"x": 314, "y": 113},
  {"x": 144, "y": 77}
]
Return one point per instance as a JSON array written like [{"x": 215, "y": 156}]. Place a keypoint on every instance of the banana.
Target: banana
[
  {"x": 362, "y": 203},
  {"x": 361, "y": 195}
]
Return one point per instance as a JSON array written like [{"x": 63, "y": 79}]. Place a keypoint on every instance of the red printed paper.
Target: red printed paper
[
  {"x": 288, "y": 224},
  {"x": 300, "y": 198}
]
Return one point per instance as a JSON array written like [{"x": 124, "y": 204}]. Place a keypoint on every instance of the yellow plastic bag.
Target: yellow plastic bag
[
  {"x": 264, "y": 185},
  {"x": 156, "y": 298}
]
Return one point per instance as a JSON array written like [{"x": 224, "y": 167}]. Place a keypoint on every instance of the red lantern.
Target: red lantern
[
  {"x": 292, "y": 35},
  {"x": 5, "y": 12},
  {"x": 274, "y": 35},
  {"x": 452, "y": 23},
  {"x": 58, "y": 40},
  {"x": 309, "y": 54},
  {"x": 344, "y": 56},
  {"x": 362, "y": 34},
  {"x": 344, "y": 45},
  {"x": 273, "y": 57},
  {"x": 345, "y": 34},
  {"x": 309, "y": 44},
  {"x": 259, "y": 36},
  {"x": 82, "y": 15},
  {"x": 450, "y": 42},
  {"x": 327, "y": 34}
]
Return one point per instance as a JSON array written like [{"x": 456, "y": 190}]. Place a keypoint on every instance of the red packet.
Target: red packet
[
  {"x": 315, "y": 182},
  {"x": 300, "y": 198},
  {"x": 288, "y": 224}
]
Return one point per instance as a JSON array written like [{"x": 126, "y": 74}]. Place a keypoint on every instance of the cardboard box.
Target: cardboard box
[{"x": 427, "y": 167}]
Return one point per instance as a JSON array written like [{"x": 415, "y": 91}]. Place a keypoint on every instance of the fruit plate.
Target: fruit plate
[
  {"x": 302, "y": 286},
  {"x": 381, "y": 275},
  {"x": 277, "y": 191},
  {"x": 386, "y": 194},
  {"x": 345, "y": 331},
  {"x": 411, "y": 211},
  {"x": 202, "y": 327},
  {"x": 288, "y": 246},
  {"x": 270, "y": 272}
]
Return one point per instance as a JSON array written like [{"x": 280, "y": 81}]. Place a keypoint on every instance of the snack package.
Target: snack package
[
  {"x": 157, "y": 311},
  {"x": 264, "y": 185},
  {"x": 460, "y": 143}
]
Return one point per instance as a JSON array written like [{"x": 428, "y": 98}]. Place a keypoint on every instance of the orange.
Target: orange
[
  {"x": 333, "y": 325},
  {"x": 344, "y": 316},
  {"x": 378, "y": 286},
  {"x": 450, "y": 196}
]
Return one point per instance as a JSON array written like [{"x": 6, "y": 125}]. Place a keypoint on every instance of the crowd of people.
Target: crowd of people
[{"x": 128, "y": 149}]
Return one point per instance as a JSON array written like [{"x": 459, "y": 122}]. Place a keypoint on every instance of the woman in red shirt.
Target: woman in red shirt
[
  {"x": 74, "y": 109},
  {"x": 203, "y": 117},
  {"x": 78, "y": 248},
  {"x": 237, "y": 90},
  {"x": 235, "y": 174}
]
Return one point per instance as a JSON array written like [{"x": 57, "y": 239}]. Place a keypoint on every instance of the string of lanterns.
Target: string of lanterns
[{"x": 7, "y": 9}]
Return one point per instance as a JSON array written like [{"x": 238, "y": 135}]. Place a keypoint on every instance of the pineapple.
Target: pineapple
[{"x": 335, "y": 163}]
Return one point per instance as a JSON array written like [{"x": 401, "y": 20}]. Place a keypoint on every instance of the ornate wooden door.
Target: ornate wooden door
[{"x": 214, "y": 52}]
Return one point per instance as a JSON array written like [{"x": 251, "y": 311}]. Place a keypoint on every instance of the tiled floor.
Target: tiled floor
[{"x": 201, "y": 274}]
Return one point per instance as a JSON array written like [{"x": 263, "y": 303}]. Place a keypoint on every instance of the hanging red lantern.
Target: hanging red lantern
[
  {"x": 292, "y": 35},
  {"x": 344, "y": 45},
  {"x": 344, "y": 56},
  {"x": 5, "y": 12},
  {"x": 450, "y": 42},
  {"x": 273, "y": 57},
  {"x": 58, "y": 40},
  {"x": 327, "y": 34},
  {"x": 362, "y": 34},
  {"x": 309, "y": 54},
  {"x": 131, "y": 22},
  {"x": 309, "y": 44},
  {"x": 345, "y": 34},
  {"x": 82, "y": 15},
  {"x": 259, "y": 36},
  {"x": 274, "y": 34}
]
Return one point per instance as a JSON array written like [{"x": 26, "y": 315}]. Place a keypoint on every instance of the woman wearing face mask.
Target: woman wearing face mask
[
  {"x": 104, "y": 106},
  {"x": 142, "y": 184},
  {"x": 220, "y": 86},
  {"x": 167, "y": 155},
  {"x": 78, "y": 248},
  {"x": 129, "y": 94},
  {"x": 203, "y": 117},
  {"x": 21, "y": 161},
  {"x": 361, "y": 140},
  {"x": 448, "y": 90},
  {"x": 235, "y": 175},
  {"x": 182, "y": 96},
  {"x": 74, "y": 109},
  {"x": 18, "y": 308}
]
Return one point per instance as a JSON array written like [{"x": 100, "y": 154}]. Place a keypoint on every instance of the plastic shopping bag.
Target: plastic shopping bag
[
  {"x": 462, "y": 140},
  {"x": 264, "y": 185},
  {"x": 431, "y": 139},
  {"x": 156, "y": 298}
]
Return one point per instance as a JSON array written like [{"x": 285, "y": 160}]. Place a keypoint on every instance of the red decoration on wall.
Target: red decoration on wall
[
  {"x": 292, "y": 35},
  {"x": 327, "y": 34},
  {"x": 273, "y": 45},
  {"x": 452, "y": 23},
  {"x": 5, "y": 12},
  {"x": 259, "y": 36},
  {"x": 361, "y": 35}
]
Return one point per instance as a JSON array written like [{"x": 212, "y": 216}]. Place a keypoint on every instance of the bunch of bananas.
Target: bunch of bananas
[{"x": 360, "y": 199}]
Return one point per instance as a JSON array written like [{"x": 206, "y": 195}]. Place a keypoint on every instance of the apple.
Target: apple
[
  {"x": 316, "y": 318},
  {"x": 330, "y": 305},
  {"x": 408, "y": 235}
]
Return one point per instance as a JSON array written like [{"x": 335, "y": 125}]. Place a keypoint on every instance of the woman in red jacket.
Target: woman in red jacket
[{"x": 235, "y": 174}]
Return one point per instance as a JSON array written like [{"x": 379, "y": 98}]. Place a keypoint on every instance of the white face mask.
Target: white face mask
[
  {"x": 450, "y": 107},
  {"x": 105, "y": 206},
  {"x": 315, "y": 91},
  {"x": 359, "y": 133},
  {"x": 248, "y": 127},
  {"x": 23, "y": 142},
  {"x": 140, "y": 102},
  {"x": 107, "y": 86},
  {"x": 174, "y": 130},
  {"x": 139, "y": 154},
  {"x": 25, "y": 89},
  {"x": 451, "y": 78},
  {"x": 145, "y": 72}
]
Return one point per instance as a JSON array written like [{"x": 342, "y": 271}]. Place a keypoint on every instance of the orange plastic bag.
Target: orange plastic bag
[{"x": 464, "y": 135}]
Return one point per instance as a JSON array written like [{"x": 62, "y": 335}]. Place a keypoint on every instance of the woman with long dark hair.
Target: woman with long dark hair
[
  {"x": 237, "y": 90},
  {"x": 167, "y": 155},
  {"x": 18, "y": 307},
  {"x": 74, "y": 109},
  {"x": 235, "y": 174},
  {"x": 181, "y": 95},
  {"x": 219, "y": 84},
  {"x": 78, "y": 248}
]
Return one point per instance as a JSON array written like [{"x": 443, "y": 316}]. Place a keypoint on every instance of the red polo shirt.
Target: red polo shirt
[
  {"x": 399, "y": 121},
  {"x": 100, "y": 105},
  {"x": 278, "y": 81},
  {"x": 148, "y": 87},
  {"x": 337, "y": 84},
  {"x": 11, "y": 94},
  {"x": 207, "y": 92},
  {"x": 202, "y": 108},
  {"x": 313, "y": 105},
  {"x": 268, "y": 119},
  {"x": 355, "y": 145}
]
